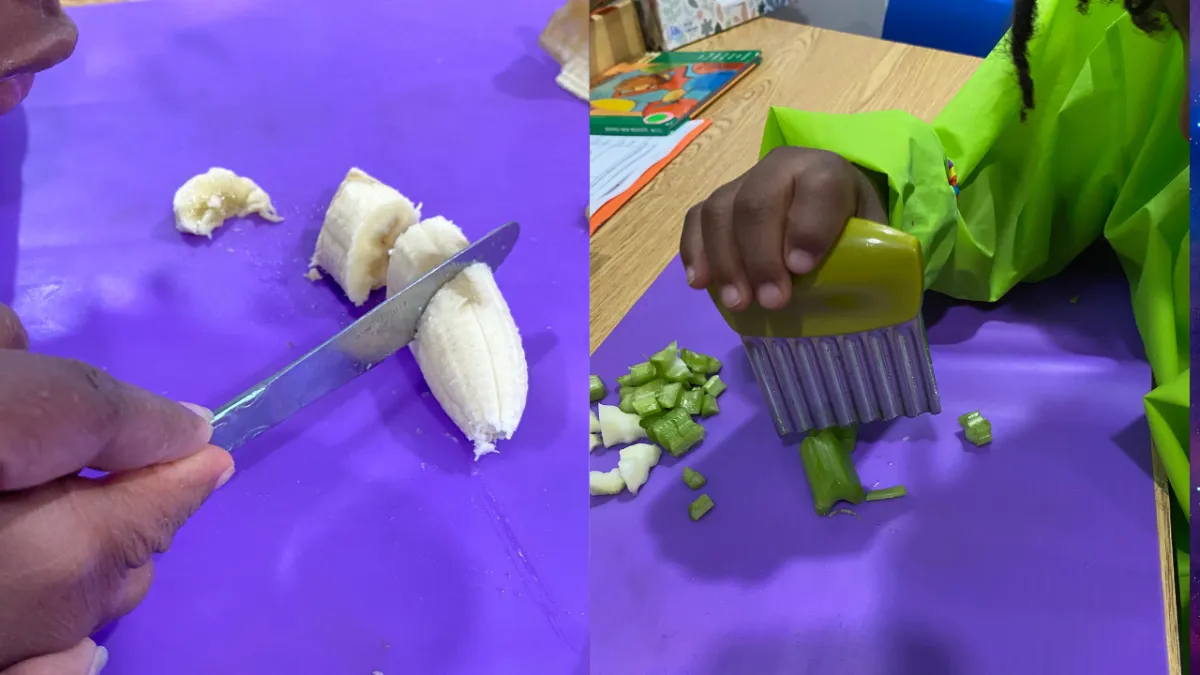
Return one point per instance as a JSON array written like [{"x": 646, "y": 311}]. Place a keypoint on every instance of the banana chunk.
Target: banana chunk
[
  {"x": 205, "y": 202},
  {"x": 605, "y": 482},
  {"x": 362, "y": 222},
  {"x": 467, "y": 343}
]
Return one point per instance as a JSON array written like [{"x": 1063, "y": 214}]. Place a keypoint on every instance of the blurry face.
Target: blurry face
[{"x": 34, "y": 35}]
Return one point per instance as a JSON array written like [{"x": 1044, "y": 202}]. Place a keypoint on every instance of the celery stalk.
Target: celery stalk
[{"x": 830, "y": 471}]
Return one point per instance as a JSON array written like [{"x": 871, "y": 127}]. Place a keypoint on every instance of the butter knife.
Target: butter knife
[{"x": 360, "y": 347}]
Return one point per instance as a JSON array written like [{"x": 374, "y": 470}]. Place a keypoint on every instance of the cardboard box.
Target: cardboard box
[
  {"x": 670, "y": 24},
  {"x": 616, "y": 36}
]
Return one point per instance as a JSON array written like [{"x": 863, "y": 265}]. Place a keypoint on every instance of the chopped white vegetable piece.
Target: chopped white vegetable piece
[
  {"x": 617, "y": 427},
  {"x": 636, "y": 462},
  {"x": 605, "y": 482}
]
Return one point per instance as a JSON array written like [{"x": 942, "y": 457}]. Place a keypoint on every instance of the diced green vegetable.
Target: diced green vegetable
[
  {"x": 596, "y": 389},
  {"x": 830, "y": 471},
  {"x": 691, "y": 401},
  {"x": 714, "y": 386},
  {"x": 701, "y": 506},
  {"x": 669, "y": 396},
  {"x": 648, "y": 423},
  {"x": 653, "y": 386},
  {"x": 645, "y": 403},
  {"x": 626, "y": 404},
  {"x": 697, "y": 379},
  {"x": 693, "y": 478},
  {"x": 676, "y": 432},
  {"x": 700, "y": 363},
  {"x": 886, "y": 493},
  {"x": 976, "y": 428},
  {"x": 642, "y": 373},
  {"x": 709, "y": 407}
]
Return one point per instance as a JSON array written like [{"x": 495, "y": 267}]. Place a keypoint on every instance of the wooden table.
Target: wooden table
[{"x": 805, "y": 68}]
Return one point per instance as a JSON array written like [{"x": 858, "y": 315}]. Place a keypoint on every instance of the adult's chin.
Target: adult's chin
[{"x": 13, "y": 90}]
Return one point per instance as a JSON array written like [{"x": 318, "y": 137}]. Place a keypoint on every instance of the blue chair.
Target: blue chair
[{"x": 970, "y": 27}]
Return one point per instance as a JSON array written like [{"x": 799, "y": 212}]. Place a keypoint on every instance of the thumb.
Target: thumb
[
  {"x": 84, "y": 658},
  {"x": 140, "y": 511}
]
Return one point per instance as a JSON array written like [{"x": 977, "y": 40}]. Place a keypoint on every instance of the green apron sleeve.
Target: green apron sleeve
[{"x": 1101, "y": 155}]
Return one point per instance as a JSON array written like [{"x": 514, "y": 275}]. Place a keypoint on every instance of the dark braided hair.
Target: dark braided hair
[{"x": 1146, "y": 14}]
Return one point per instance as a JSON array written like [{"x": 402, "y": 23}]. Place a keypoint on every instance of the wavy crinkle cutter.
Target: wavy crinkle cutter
[{"x": 850, "y": 345}]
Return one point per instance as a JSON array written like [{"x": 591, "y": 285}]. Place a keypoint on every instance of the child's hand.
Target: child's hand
[{"x": 780, "y": 217}]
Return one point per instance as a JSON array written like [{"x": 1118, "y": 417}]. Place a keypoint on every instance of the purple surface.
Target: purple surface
[
  {"x": 358, "y": 536},
  {"x": 1035, "y": 554}
]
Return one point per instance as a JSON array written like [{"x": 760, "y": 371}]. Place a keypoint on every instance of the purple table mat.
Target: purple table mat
[
  {"x": 358, "y": 536},
  {"x": 1035, "y": 554}
]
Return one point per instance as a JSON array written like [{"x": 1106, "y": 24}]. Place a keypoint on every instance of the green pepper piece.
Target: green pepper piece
[
  {"x": 830, "y": 471},
  {"x": 693, "y": 479},
  {"x": 596, "y": 389},
  {"x": 701, "y": 506}
]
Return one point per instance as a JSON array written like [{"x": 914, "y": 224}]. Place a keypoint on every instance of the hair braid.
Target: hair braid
[{"x": 1147, "y": 15}]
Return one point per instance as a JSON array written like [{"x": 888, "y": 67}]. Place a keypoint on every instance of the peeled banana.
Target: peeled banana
[
  {"x": 467, "y": 343},
  {"x": 205, "y": 202},
  {"x": 362, "y": 221}
]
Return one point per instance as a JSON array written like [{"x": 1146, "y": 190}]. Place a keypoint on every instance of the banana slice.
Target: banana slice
[
  {"x": 605, "y": 482},
  {"x": 467, "y": 343},
  {"x": 363, "y": 220},
  {"x": 205, "y": 202}
]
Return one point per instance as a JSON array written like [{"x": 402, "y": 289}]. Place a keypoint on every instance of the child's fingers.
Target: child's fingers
[
  {"x": 721, "y": 249},
  {"x": 691, "y": 249},
  {"x": 823, "y": 199},
  {"x": 760, "y": 211}
]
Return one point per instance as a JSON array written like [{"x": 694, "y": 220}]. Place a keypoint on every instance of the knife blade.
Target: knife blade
[{"x": 360, "y": 347}]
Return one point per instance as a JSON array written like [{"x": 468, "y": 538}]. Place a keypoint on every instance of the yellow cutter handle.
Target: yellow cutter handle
[{"x": 872, "y": 278}]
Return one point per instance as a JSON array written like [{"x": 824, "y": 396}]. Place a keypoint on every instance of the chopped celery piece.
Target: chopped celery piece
[
  {"x": 648, "y": 423},
  {"x": 676, "y": 432},
  {"x": 709, "y": 407},
  {"x": 967, "y": 418},
  {"x": 626, "y": 404},
  {"x": 697, "y": 379},
  {"x": 626, "y": 391},
  {"x": 700, "y": 363},
  {"x": 642, "y": 373},
  {"x": 625, "y": 381},
  {"x": 830, "y": 472},
  {"x": 678, "y": 372},
  {"x": 847, "y": 436},
  {"x": 693, "y": 479},
  {"x": 653, "y": 386},
  {"x": 714, "y": 386},
  {"x": 661, "y": 359},
  {"x": 701, "y": 506},
  {"x": 976, "y": 428},
  {"x": 669, "y": 396},
  {"x": 886, "y": 493},
  {"x": 979, "y": 432},
  {"x": 645, "y": 403},
  {"x": 596, "y": 388},
  {"x": 692, "y": 400}
]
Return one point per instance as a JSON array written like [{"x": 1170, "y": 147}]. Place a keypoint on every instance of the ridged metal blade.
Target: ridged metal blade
[{"x": 816, "y": 383}]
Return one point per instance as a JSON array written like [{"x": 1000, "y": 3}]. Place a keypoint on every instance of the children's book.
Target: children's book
[{"x": 656, "y": 95}]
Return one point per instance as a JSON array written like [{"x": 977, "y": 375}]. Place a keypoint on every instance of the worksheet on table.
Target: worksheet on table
[{"x": 617, "y": 162}]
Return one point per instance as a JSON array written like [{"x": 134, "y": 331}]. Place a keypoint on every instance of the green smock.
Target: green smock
[{"x": 1101, "y": 155}]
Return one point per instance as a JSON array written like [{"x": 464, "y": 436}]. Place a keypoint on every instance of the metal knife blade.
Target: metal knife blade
[{"x": 377, "y": 335}]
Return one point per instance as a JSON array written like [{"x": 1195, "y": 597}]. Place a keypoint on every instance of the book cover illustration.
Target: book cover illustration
[{"x": 655, "y": 97}]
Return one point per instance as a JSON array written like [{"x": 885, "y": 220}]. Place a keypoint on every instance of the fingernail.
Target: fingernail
[
  {"x": 99, "y": 660},
  {"x": 799, "y": 262},
  {"x": 691, "y": 276},
  {"x": 225, "y": 477},
  {"x": 199, "y": 410},
  {"x": 770, "y": 296},
  {"x": 730, "y": 296}
]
